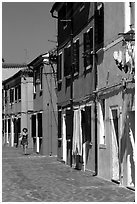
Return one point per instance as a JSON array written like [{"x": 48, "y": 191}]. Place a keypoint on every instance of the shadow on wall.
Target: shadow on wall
[{"x": 128, "y": 136}]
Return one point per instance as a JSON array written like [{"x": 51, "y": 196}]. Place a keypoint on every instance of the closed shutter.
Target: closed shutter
[
  {"x": 88, "y": 123},
  {"x": 33, "y": 126},
  {"x": 9, "y": 125},
  {"x": 69, "y": 124},
  {"x": 76, "y": 56},
  {"x": 59, "y": 124},
  {"x": 39, "y": 124},
  {"x": 59, "y": 68}
]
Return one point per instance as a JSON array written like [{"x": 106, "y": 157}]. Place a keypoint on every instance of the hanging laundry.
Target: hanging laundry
[{"x": 77, "y": 133}]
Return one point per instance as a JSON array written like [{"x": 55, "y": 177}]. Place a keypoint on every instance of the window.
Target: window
[
  {"x": 132, "y": 22},
  {"x": 76, "y": 56},
  {"x": 86, "y": 124},
  {"x": 67, "y": 61},
  {"x": 59, "y": 68},
  {"x": 129, "y": 15},
  {"x": 16, "y": 93},
  {"x": 99, "y": 26},
  {"x": 11, "y": 95},
  {"x": 38, "y": 77},
  {"x": 19, "y": 91},
  {"x": 88, "y": 48}
]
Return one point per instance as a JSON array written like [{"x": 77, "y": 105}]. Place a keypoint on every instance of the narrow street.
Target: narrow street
[{"x": 35, "y": 178}]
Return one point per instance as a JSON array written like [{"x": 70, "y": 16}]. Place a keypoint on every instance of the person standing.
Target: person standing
[{"x": 25, "y": 139}]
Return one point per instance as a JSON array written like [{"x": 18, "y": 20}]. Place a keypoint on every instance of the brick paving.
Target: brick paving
[{"x": 35, "y": 178}]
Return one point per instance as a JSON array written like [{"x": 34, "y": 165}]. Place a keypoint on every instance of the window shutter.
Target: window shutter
[
  {"x": 39, "y": 124},
  {"x": 59, "y": 124},
  {"x": 33, "y": 125},
  {"x": 85, "y": 62},
  {"x": 69, "y": 124},
  {"x": 59, "y": 73},
  {"x": 67, "y": 61},
  {"x": 19, "y": 91}
]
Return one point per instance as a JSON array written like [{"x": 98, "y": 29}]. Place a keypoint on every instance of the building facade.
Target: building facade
[
  {"x": 17, "y": 105},
  {"x": 96, "y": 88},
  {"x": 44, "y": 117}
]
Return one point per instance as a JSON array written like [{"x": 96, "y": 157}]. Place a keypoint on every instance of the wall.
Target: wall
[{"x": 49, "y": 144}]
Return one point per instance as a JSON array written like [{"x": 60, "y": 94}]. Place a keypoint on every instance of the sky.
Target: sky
[{"x": 27, "y": 30}]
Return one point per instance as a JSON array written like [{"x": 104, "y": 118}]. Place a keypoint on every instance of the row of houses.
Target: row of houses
[{"x": 87, "y": 116}]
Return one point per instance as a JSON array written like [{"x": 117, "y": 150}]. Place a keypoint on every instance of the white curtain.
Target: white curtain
[
  {"x": 101, "y": 125},
  {"x": 64, "y": 138},
  {"x": 77, "y": 133}
]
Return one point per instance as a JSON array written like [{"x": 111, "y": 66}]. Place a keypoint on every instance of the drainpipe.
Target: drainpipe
[
  {"x": 71, "y": 87},
  {"x": 95, "y": 88}
]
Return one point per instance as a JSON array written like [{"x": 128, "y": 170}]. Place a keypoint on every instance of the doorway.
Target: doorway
[{"x": 114, "y": 131}]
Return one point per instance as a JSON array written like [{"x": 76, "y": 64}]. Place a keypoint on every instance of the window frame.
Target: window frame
[
  {"x": 67, "y": 74},
  {"x": 88, "y": 48}
]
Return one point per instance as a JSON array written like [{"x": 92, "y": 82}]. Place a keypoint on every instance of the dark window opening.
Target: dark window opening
[
  {"x": 16, "y": 93},
  {"x": 88, "y": 48},
  {"x": 99, "y": 26},
  {"x": 59, "y": 67},
  {"x": 19, "y": 91},
  {"x": 67, "y": 61},
  {"x": 86, "y": 124},
  {"x": 11, "y": 95}
]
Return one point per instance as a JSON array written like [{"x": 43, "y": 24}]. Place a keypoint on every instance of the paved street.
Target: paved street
[{"x": 35, "y": 178}]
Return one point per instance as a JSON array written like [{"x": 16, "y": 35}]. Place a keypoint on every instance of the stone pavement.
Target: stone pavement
[{"x": 35, "y": 178}]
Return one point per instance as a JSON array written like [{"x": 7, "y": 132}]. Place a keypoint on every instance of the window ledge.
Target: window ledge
[
  {"x": 59, "y": 139},
  {"x": 102, "y": 146}
]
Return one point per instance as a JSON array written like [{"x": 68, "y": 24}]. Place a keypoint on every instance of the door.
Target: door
[{"x": 114, "y": 130}]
